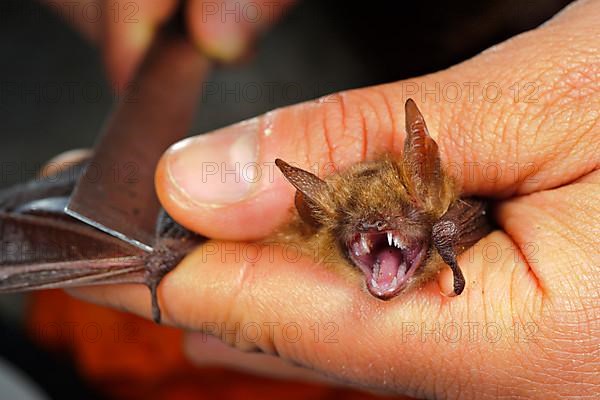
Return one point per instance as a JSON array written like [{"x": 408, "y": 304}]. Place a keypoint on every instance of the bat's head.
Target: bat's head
[{"x": 380, "y": 213}]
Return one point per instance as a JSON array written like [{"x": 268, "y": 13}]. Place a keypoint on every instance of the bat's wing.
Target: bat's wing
[
  {"x": 60, "y": 184},
  {"x": 65, "y": 274},
  {"x": 47, "y": 251},
  {"x": 41, "y": 247}
]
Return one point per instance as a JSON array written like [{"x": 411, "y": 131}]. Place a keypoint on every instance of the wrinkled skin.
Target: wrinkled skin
[{"x": 550, "y": 292}]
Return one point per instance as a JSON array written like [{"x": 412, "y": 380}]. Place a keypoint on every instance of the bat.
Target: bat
[
  {"x": 395, "y": 219},
  {"x": 43, "y": 248}
]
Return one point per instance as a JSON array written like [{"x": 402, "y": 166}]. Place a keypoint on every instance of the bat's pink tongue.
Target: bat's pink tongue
[{"x": 390, "y": 260}]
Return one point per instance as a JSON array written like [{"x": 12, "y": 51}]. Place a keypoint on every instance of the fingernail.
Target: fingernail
[
  {"x": 219, "y": 28},
  {"x": 140, "y": 35},
  {"x": 216, "y": 168},
  {"x": 224, "y": 43},
  {"x": 445, "y": 281}
]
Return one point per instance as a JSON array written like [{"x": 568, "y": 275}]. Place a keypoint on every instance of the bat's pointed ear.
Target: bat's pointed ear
[
  {"x": 421, "y": 154},
  {"x": 309, "y": 187}
]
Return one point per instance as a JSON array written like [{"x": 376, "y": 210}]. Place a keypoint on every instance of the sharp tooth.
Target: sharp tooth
[
  {"x": 389, "y": 237},
  {"x": 397, "y": 242},
  {"x": 395, "y": 282},
  {"x": 364, "y": 244},
  {"x": 374, "y": 283}
]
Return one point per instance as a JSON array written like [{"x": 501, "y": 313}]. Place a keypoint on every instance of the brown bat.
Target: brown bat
[{"x": 392, "y": 218}]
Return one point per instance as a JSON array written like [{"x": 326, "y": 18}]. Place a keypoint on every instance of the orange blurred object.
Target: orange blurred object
[{"x": 126, "y": 357}]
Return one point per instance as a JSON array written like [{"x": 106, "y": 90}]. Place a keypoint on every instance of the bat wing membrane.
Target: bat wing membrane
[
  {"x": 51, "y": 252},
  {"x": 17, "y": 278}
]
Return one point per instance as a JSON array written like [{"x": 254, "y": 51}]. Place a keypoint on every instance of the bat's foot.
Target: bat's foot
[
  {"x": 153, "y": 286},
  {"x": 153, "y": 278},
  {"x": 158, "y": 264},
  {"x": 174, "y": 243}
]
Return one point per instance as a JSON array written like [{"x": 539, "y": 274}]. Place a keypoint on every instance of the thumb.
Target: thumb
[
  {"x": 129, "y": 27},
  {"x": 224, "y": 184}
]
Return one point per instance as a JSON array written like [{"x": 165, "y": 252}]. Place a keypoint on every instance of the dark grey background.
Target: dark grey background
[{"x": 54, "y": 94}]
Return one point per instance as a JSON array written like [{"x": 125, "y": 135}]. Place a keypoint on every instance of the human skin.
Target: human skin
[
  {"x": 222, "y": 29},
  {"x": 535, "y": 279}
]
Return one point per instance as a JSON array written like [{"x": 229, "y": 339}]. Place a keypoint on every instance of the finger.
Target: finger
[
  {"x": 320, "y": 317},
  {"x": 557, "y": 233},
  {"x": 129, "y": 27},
  {"x": 224, "y": 184},
  {"x": 208, "y": 350},
  {"x": 225, "y": 29},
  {"x": 65, "y": 159}
]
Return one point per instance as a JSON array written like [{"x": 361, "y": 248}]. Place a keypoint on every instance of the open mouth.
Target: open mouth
[{"x": 386, "y": 259}]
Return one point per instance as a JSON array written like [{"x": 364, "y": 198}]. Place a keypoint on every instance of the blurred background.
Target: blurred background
[{"x": 55, "y": 95}]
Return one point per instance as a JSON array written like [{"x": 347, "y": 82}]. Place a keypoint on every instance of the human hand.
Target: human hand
[
  {"x": 528, "y": 323},
  {"x": 222, "y": 29}
]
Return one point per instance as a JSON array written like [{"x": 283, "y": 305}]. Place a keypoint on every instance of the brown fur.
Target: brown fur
[
  {"x": 410, "y": 193},
  {"x": 379, "y": 187}
]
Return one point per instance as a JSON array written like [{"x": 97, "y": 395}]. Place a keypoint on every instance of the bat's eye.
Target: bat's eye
[{"x": 386, "y": 258}]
